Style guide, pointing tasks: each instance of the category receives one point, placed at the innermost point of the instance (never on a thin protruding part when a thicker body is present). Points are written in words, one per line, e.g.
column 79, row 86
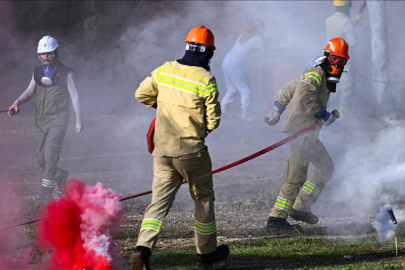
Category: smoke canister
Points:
column 392, row 216
column 348, row 257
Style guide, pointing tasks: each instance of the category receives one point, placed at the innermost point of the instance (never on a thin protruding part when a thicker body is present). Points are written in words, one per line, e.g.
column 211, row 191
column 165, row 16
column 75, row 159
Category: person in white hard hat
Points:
column 53, row 84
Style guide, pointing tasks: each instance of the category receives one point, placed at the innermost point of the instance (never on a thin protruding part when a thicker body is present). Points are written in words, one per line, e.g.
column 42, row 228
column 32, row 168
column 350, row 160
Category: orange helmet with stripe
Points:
column 338, row 46
column 201, row 35
column 337, row 51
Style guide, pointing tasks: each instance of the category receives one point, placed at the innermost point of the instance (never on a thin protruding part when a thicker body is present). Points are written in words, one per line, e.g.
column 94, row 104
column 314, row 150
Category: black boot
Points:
column 306, row 217
column 274, row 223
column 45, row 194
column 61, row 180
column 206, row 260
column 140, row 258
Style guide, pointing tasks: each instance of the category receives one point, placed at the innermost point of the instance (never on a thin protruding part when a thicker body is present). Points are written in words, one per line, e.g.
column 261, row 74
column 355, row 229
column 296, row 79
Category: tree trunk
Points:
column 379, row 52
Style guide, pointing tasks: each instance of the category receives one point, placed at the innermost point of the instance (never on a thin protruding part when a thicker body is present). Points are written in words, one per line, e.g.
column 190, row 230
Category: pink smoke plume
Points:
column 78, row 227
column 14, row 253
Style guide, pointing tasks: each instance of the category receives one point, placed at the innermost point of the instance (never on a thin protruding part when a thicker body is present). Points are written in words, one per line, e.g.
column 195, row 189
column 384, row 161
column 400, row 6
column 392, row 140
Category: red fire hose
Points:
column 261, row 152
column 243, row 160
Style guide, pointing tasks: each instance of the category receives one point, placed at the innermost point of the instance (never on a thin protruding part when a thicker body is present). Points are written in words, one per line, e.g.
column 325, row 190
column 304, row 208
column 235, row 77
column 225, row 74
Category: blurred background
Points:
column 113, row 45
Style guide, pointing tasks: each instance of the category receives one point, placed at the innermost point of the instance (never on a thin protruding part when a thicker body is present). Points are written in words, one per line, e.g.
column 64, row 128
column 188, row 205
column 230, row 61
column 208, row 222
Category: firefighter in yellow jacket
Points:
column 340, row 24
column 308, row 96
column 185, row 96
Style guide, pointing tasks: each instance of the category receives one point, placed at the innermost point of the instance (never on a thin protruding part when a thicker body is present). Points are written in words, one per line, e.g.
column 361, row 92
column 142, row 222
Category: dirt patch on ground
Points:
column 112, row 150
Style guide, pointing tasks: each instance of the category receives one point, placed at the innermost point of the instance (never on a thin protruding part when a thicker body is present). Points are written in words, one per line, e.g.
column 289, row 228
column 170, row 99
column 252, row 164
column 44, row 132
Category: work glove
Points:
column 327, row 117
column 274, row 116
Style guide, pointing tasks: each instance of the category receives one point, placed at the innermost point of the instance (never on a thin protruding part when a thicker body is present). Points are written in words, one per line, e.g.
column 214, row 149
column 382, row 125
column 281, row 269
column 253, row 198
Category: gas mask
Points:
column 50, row 58
column 48, row 75
column 333, row 67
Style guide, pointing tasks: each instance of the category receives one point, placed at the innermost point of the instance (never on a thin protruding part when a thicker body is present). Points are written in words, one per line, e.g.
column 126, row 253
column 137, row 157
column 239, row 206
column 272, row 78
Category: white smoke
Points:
column 383, row 224
column 102, row 211
column 371, row 170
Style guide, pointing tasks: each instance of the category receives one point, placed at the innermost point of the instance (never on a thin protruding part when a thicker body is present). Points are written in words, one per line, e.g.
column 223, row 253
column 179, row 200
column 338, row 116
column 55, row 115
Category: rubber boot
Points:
column 274, row 223
column 45, row 194
column 140, row 258
column 61, row 180
column 307, row 217
column 206, row 260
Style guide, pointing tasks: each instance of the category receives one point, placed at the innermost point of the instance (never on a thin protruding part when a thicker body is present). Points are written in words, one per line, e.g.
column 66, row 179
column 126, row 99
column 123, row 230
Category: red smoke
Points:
column 78, row 227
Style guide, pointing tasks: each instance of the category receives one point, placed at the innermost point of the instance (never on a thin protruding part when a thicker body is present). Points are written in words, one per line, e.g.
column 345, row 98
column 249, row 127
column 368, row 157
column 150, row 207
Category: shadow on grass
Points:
column 181, row 260
column 306, row 261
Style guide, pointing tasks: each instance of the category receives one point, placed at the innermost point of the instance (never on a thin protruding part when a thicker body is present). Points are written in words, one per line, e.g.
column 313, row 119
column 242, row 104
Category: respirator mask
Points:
column 46, row 59
column 47, row 79
column 333, row 68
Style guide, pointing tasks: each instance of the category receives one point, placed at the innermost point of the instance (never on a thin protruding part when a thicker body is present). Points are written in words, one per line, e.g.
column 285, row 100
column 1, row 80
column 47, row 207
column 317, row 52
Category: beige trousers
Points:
column 297, row 192
column 169, row 172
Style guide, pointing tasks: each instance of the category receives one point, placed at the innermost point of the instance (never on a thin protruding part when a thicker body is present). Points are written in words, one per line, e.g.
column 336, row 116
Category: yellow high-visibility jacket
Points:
column 187, row 106
column 340, row 25
column 310, row 96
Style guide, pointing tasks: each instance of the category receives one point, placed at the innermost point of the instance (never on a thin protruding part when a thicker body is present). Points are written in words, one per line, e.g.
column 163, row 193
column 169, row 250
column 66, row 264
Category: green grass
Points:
column 297, row 253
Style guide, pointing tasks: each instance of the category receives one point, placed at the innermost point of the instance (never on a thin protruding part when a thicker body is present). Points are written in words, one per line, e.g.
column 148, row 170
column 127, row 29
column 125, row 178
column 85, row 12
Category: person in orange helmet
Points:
column 185, row 95
column 308, row 95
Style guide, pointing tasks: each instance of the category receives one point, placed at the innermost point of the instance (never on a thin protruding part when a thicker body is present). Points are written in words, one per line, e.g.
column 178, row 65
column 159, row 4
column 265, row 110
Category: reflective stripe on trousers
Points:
column 169, row 173
column 312, row 189
column 205, row 228
column 283, row 204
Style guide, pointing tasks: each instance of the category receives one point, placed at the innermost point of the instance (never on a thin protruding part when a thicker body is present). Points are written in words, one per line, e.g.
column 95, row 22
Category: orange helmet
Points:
column 201, row 35
column 338, row 46
column 338, row 51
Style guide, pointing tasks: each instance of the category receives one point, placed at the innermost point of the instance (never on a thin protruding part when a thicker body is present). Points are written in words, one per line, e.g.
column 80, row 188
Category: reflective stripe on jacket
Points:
column 187, row 98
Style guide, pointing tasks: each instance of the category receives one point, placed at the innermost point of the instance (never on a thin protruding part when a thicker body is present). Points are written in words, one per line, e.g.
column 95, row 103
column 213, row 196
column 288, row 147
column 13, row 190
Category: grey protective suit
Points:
column 51, row 121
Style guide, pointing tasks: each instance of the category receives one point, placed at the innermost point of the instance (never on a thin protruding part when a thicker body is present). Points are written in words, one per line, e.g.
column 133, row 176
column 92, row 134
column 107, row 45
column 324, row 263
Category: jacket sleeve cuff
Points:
column 278, row 107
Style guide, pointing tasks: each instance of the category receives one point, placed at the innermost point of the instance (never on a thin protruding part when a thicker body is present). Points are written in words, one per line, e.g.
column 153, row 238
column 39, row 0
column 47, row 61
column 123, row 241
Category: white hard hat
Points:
column 47, row 44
